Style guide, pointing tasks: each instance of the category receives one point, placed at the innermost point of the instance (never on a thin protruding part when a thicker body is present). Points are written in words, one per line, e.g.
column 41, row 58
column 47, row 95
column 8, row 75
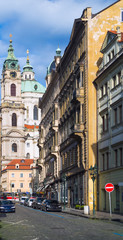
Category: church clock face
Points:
column 13, row 74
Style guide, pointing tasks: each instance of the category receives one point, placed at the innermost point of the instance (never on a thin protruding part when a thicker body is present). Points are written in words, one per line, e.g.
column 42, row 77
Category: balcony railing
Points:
column 78, row 95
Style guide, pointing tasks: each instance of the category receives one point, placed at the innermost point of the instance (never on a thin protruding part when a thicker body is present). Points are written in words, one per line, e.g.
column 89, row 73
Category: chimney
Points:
column 118, row 33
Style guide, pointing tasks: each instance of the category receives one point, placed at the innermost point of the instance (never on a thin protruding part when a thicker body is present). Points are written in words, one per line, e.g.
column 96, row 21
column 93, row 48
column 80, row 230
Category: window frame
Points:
column 21, row 185
column 13, row 90
column 14, row 120
column 14, row 147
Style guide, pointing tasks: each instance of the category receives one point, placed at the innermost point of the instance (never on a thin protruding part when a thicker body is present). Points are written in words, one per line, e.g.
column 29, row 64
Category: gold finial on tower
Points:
column 10, row 37
column 27, row 54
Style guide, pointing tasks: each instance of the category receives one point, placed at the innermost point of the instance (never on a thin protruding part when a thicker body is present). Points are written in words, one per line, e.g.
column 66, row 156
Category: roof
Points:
column 24, row 164
column 51, row 67
column 27, row 67
column 32, row 86
column 31, row 126
column 110, row 37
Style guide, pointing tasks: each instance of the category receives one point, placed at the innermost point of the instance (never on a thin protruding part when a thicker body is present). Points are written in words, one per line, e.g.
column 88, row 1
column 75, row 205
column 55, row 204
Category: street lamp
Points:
column 93, row 173
column 64, row 180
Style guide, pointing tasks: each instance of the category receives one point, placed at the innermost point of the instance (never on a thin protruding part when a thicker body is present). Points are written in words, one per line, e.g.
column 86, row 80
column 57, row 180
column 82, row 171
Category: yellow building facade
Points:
column 77, row 118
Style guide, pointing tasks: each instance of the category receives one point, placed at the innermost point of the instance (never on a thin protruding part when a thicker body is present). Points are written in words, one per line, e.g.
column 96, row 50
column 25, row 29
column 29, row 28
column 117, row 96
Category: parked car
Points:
column 23, row 199
column 51, row 205
column 30, row 201
column 7, row 206
column 37, row 202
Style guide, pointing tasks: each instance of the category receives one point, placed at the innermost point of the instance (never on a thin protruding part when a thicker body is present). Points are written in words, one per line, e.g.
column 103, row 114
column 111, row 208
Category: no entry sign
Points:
column 109, row 187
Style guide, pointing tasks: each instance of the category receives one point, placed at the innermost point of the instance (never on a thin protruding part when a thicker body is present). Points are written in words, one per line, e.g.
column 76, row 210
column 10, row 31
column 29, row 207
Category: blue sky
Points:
column 40, row 26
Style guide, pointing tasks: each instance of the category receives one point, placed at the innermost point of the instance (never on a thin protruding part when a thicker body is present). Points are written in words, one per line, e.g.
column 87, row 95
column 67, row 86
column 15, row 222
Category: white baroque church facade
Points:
column 20, row 94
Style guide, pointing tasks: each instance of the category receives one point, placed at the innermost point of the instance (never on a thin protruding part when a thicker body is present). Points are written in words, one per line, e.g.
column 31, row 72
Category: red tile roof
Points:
column 31, row 126
column 23, row 164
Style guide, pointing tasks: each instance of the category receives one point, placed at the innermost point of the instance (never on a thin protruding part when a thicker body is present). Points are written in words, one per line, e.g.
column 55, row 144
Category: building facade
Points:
column 48, row 141
column 77, row 121
column 109, row 85
column 17, row 175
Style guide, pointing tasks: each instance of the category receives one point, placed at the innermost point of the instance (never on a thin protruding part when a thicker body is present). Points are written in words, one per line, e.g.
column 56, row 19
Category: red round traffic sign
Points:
column 109, row 187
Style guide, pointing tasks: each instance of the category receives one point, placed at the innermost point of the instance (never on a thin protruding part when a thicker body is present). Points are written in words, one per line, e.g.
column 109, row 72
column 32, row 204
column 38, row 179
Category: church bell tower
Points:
column 12, row 110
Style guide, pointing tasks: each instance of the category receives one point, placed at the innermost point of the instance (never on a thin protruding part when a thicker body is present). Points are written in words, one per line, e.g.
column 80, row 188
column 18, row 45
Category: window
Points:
column 30, row 185
column 30, row 175
column 116, row 158
column 21, row 185
column 17, row 166
column 13, row 89
column 112, row 53
column 28, row 155
column 109, row 57
column 103, row 162
column 114, row 81
column 101, row 91
column 29, row 76
column 12, row 185
column 35, row 113
column 14, row 119
column 12, row 175
column 105, row 88
column 21, row 174
column 28, row 144
column 14, row 147
column 119, row 77
column 25, row 76
column 107, row 121
column 103, row 123
column 120, row 114
column 121, row 158
column 107, row 156
column 115, row 116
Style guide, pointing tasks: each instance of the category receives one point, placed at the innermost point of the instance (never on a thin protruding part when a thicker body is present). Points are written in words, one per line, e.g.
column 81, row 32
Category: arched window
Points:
column 14, row 119
column 13, row 89
column 14, row 147
column 28, row 155
column 35, row 113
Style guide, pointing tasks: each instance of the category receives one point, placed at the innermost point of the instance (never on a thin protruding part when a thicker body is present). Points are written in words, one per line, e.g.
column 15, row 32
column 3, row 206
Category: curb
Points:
column 93, row 218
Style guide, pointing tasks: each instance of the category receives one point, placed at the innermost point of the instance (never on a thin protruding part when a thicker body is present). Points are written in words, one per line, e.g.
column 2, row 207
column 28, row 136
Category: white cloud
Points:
column 40, row 25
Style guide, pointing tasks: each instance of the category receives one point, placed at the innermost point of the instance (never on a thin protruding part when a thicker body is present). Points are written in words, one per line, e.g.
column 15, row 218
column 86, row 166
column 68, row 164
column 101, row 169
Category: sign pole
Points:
column 110, row 204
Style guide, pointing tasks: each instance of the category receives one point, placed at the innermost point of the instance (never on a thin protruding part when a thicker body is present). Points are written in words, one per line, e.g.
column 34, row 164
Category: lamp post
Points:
column 64, row 180
column 93, row 174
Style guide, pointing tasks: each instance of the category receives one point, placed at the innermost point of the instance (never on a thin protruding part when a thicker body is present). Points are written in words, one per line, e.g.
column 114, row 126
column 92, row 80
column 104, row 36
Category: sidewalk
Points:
column 98, row 215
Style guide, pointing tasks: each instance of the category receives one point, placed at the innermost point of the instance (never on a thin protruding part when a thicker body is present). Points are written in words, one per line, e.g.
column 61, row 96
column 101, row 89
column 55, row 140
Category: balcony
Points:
column 78, row 95
column 77, row 129
column 55, row 125
column 54, row 150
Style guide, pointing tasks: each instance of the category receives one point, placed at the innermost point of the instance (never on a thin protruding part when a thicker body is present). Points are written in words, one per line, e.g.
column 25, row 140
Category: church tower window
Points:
column 13, row 89
column 14, row 147
column 35, row 112
column 28, row 155
column 14, row 119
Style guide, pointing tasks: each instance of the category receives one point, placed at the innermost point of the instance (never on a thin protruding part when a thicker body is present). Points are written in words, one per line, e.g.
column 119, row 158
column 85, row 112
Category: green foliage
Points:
column 81, row 207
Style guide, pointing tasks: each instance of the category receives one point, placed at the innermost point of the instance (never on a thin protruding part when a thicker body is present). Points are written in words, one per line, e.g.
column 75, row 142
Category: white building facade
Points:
column 110, row 121
column 21, row 116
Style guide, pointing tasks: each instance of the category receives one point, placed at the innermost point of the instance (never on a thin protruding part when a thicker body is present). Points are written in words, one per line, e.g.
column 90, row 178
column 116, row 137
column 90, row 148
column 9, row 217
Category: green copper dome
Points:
column 58, row 52
column 32, row 86
column 27, row 67
column 11, row 61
